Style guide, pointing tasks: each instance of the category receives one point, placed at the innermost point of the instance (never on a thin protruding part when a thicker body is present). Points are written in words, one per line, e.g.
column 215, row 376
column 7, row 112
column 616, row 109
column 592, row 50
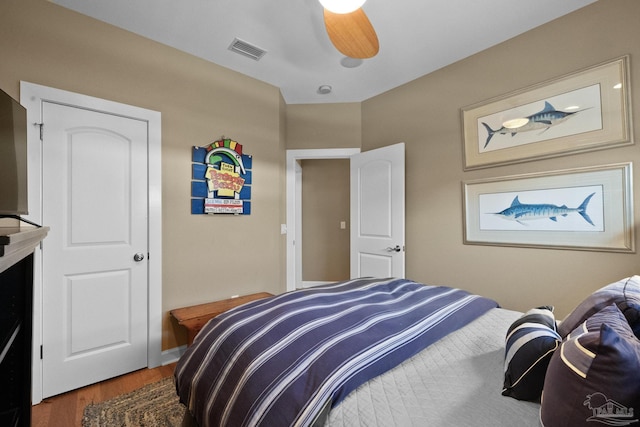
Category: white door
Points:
column 377, row 213
column 94, row 187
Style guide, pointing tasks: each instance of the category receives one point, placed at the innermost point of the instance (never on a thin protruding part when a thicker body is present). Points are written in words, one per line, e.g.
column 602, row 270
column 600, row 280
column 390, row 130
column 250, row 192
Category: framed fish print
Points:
column 582, row 209
column 584, row 111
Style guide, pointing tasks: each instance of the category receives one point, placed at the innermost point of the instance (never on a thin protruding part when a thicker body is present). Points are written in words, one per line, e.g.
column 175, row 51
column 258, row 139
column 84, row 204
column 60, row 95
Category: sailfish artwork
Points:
column 544, row 119
column 520, row 212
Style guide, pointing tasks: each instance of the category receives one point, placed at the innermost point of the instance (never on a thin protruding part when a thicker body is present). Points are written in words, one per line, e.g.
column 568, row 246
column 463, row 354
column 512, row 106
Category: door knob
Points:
column 138, row 257
column 396, row 249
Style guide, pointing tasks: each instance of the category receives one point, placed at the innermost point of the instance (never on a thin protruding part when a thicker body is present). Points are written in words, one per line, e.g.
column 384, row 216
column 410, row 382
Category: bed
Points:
column 365, row 352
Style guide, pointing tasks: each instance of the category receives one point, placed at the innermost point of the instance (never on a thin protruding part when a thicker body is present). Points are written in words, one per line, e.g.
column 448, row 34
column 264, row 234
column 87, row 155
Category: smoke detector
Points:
column 324, row 90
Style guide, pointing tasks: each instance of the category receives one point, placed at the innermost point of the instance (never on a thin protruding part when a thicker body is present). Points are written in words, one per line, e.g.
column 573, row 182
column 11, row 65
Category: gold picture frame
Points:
column 583, row 111
column 587, row 208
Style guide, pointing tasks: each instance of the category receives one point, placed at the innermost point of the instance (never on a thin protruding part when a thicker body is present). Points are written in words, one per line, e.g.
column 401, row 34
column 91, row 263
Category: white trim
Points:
column 31, row 97
column 173, row 354
column 294, row 252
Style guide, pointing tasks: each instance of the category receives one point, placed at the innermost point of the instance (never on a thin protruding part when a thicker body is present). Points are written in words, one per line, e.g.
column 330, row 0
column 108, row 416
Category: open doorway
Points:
column 325, row 221
column 294, row 205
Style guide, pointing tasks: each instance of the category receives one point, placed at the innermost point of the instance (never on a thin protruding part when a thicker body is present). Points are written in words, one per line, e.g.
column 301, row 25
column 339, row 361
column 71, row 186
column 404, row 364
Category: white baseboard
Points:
column 173, row 354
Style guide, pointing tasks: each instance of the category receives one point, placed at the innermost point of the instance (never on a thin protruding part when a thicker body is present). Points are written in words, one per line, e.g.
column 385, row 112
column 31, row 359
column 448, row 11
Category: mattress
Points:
column 455, row 382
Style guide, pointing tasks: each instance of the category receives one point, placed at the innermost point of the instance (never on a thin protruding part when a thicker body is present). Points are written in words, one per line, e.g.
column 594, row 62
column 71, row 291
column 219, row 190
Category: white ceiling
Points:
column 416, row 37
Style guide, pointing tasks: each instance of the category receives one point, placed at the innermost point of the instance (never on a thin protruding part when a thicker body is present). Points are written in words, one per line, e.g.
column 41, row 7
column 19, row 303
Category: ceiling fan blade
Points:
column 352, row 33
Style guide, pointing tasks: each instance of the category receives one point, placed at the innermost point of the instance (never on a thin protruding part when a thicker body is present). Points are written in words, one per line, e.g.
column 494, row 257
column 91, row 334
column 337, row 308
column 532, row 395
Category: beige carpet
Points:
column 155, row 405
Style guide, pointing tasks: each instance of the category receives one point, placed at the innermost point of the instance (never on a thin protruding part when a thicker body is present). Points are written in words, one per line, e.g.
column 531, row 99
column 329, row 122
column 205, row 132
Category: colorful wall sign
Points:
column 221, row 179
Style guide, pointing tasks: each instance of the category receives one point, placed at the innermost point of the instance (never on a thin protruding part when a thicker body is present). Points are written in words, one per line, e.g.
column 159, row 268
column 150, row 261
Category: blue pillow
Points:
column 530, row 342
column 594, row 377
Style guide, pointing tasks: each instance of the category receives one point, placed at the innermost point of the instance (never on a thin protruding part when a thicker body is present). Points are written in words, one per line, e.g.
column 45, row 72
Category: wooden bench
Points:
column 195, row 317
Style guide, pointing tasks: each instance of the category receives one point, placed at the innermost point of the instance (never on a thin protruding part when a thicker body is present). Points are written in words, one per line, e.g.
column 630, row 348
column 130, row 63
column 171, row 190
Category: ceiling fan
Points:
column 349, row 28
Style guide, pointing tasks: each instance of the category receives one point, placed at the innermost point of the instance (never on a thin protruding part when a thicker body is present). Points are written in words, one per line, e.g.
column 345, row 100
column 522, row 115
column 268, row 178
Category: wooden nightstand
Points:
column 195, row 317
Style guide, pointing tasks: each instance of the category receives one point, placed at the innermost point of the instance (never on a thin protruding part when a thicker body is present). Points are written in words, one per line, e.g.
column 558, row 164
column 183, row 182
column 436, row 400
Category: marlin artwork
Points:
column 524, row 212
column 544, row 119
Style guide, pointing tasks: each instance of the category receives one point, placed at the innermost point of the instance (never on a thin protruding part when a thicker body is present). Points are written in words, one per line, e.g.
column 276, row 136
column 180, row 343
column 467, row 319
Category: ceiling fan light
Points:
column 342, row 6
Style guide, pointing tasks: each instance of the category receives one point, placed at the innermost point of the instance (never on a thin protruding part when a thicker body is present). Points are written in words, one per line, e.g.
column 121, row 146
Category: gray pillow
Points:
column 625, row 294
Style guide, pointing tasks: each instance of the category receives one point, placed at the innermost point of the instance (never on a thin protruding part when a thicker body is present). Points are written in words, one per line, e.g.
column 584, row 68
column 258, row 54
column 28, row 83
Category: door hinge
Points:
column 41, row 125
column 41, row 353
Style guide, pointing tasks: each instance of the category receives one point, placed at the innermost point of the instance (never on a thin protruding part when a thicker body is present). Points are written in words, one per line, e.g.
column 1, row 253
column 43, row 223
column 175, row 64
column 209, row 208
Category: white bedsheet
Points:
column 455, row 382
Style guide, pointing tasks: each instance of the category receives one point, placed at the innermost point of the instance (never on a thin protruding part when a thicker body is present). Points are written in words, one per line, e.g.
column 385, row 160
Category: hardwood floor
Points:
column 65, row 410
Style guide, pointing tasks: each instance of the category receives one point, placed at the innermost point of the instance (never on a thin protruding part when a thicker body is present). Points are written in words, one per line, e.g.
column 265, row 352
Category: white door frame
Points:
column 31, row 97
column 294, row 217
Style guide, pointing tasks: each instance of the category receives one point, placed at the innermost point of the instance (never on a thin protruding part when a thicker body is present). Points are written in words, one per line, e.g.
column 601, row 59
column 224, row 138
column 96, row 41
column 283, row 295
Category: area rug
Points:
column 154, row 405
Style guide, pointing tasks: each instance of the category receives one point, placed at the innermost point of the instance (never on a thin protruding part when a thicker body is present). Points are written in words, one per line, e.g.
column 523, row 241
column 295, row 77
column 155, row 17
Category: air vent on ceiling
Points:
column 246, row 49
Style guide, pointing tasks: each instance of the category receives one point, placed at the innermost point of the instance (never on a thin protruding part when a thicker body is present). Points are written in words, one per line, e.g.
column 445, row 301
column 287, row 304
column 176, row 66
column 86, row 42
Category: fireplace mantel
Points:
column 18, row 242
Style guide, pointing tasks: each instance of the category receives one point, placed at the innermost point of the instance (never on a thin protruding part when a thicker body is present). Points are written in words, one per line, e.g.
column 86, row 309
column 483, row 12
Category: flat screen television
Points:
column 13, row 157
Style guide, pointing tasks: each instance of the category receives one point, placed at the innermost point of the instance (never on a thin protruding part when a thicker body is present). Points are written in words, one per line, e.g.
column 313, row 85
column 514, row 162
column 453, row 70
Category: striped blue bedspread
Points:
column 284, row 360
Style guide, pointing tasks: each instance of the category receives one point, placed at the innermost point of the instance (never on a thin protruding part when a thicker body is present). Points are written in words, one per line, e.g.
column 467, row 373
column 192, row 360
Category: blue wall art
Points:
column 588, row 208
column 221, row 179
column 582, row 111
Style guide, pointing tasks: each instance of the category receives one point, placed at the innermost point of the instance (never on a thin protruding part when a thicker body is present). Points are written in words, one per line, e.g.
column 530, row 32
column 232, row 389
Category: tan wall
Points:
column 323, row 126
column 325, row 203
column 46, row 44
column 425, row 114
